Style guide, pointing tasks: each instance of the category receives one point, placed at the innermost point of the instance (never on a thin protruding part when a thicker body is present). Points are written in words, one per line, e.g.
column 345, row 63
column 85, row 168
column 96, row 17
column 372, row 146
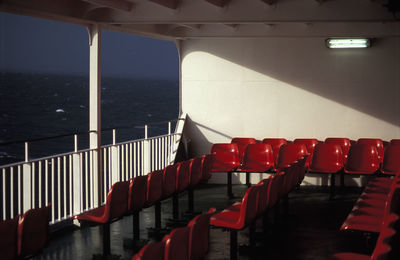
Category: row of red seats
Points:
column 24, row 236
column 185, row 243
column 130, row 197
column 257, row 201
column 377, row 211
column 328, row 157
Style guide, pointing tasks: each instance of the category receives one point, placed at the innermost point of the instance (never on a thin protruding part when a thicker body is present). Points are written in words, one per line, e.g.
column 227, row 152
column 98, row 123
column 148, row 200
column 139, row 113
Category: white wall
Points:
column 289, row 87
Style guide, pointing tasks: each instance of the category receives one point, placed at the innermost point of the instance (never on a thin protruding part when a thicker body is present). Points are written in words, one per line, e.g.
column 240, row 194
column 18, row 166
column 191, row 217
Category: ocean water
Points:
column 39, row 105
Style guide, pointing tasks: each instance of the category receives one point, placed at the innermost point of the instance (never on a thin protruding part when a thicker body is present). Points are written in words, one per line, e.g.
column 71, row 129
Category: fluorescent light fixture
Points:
column 340, row 43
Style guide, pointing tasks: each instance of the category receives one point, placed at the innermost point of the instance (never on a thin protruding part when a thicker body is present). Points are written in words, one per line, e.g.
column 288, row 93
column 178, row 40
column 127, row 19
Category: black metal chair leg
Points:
column 229, row 185
column 233, row 244
column 136, row 226
column 332, row 190
column 157, row 210
column 248, row 179
column 175, row 206
column 106, row 239
column 191, row 200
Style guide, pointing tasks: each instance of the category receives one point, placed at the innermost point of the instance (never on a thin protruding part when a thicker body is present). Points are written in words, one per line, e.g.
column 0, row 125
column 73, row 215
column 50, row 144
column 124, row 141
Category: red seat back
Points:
column 33, row 231
column 343, row 142
column 195, row 171
column 395, row 141
column 199, row 235
column 258, row 158
column 248, row 209
column 177, row 244
column 385, row 241
column 242, row 143
column 182, row 179
column 226, row 157
column 274, row 188
column 117, row 200
column 378, row 143
column 154, row 187
column 327, row 158
column 8, row 238
column 276, row 144
column 207, row 166
column 169, row 179
column 290, row 153
column 363, row 159
column 310, row 143
column 152, row 251
column 262, row 196
column 137, row 193
column 391, row 160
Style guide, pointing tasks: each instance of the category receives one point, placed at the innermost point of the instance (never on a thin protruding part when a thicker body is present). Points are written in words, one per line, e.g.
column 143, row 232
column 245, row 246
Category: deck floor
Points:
column 310, row 230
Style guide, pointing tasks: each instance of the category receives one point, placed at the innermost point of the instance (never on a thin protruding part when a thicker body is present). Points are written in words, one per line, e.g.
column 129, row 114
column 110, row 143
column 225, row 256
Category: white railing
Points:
column 70, row 182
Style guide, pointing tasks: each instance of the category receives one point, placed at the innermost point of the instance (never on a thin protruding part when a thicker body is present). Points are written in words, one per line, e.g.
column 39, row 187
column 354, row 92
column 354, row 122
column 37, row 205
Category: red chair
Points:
column 290, row 153
column 343, row 142
column 327, row 159
column 310, row 144
column 363, row 159
column 395, row 141
column 152, row 251
column 383, row 246
column 33, row 231
column 154, row 194
column 206, row 168
column 136, row 201
column 8, row 238
column 276, row 144
column 194, row 179
column 378, row 143
column 391, row 160
column 199, row 235
column 177, row 244
column 182, row 183
column 257, row 158
column 238, row 220
column 226, row 159
column 242, row 143
column 116, row 207
column 169, row 180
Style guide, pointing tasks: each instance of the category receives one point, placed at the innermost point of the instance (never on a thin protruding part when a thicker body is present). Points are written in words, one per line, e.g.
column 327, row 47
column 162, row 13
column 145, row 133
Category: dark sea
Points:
column 39, row 105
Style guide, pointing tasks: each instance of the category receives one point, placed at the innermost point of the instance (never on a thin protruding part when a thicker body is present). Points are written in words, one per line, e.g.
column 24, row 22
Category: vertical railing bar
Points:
column 33, row 186
column 40, row 188
column 59, row 186
column 46, row 181
column 4, row 194
column 87, row 180
column 11, row 191
column 130, row 160
column 81, row 167
column 52, row 190
column 19, row 181
column 65, row 185
column 110, row 162
column 104, row 151
column 126, row 162
column 134, row 161
column 92, row 177
column 71, row 191
column 142, row 158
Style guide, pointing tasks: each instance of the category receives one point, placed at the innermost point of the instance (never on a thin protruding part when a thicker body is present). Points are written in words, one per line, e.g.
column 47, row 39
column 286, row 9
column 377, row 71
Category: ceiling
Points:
column 187, row 19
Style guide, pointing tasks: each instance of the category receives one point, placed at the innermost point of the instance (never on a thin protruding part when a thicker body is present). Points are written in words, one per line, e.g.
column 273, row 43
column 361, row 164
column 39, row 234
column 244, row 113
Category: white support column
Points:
column 95, row 108
column 77, row 179
column 115, row 160
column 147, row 152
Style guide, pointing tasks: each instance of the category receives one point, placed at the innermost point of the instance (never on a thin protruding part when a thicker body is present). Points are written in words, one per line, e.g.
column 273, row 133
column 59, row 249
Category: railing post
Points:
column 114, row 160
column 147, row 152
column 77, row 179
column 27, row 181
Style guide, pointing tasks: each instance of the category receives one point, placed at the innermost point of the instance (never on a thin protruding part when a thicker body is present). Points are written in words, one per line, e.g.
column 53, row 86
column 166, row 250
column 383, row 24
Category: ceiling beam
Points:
column 114, row 4
column 219, row 3
column 171, row 4
column 191, row 26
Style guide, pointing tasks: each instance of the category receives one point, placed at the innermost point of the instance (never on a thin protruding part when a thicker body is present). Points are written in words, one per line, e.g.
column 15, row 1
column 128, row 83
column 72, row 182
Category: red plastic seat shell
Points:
column 169, row 179
column 276, row 144
column 391, row 160
column 152, row 251
column 344, row 144
column 8, row 238
column 195, row 171
column 242, row 143
column 183, row 175
column 177, row 244
column 154, row 187
column 363, row 159
column 33, row 231
column 327, row 158
column 226, row 157
column 206, row 168
column 199, row 235
column 257, row 158
column 378, row 143
column 137, row 193
column 290, row 153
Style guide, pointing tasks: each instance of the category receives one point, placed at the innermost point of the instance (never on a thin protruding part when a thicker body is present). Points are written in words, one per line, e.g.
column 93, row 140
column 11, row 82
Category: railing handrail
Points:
column 86, row 132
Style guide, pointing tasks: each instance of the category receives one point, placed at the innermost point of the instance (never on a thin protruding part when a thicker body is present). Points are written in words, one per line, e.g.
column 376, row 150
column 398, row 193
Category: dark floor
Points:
column 310, row 230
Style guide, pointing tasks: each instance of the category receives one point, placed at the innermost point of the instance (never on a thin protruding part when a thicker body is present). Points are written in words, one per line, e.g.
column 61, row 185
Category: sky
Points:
column 36, row 45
